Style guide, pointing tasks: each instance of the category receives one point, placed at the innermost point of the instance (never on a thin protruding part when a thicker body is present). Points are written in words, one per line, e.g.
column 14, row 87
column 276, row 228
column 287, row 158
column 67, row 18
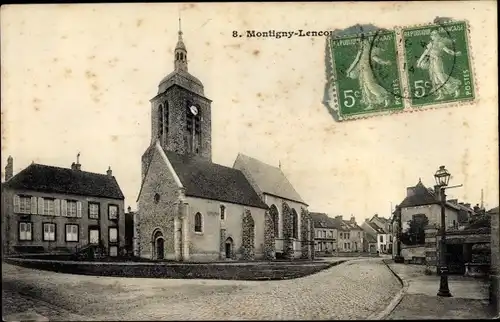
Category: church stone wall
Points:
column 208, row 245
column 179, row 100
column 279, row 203
column 159, row 214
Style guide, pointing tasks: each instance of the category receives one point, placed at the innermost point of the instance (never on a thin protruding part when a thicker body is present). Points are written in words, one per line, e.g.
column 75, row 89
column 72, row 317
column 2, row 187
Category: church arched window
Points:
column 166, row 116
column 295, row 224
column 198, row 223
column 193, row 129
column 160, row 120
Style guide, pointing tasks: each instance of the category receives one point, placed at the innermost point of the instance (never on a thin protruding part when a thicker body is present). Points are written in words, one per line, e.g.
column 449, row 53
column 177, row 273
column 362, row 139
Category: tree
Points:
column 415, row 234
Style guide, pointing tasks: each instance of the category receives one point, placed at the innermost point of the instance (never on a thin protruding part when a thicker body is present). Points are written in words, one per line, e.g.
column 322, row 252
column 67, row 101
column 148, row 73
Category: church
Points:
column 191, row 209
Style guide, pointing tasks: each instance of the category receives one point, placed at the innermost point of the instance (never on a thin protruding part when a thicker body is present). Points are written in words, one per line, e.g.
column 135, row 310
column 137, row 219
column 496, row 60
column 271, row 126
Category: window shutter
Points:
column 17, row 204
column 28, row 231
column 57, row 207
column 33, row 205
column 64, row 208
column 79, row 209
column 40, row 206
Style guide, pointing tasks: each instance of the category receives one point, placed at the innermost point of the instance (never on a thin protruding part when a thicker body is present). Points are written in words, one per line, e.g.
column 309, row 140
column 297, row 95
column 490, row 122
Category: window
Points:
column 381, row 238
column 295, row 226
column 71, row 205
column 48, row 207
column 193, row 128
column 93, row 210
column 113, row 212
column 71, row 233
column 166, row 116
column 222, row 213
column 113, row 251
column 157, row 197
column 198, row 223
column 25, row 205
column 94, row 236
column 359, row 234
column 390, row 238
column 49, row 232
column 160, row 120
column 25, row 230
column 113, row 234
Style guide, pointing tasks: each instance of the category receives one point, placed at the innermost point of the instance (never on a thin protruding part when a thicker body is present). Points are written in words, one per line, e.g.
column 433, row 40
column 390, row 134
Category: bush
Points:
column 428, row 271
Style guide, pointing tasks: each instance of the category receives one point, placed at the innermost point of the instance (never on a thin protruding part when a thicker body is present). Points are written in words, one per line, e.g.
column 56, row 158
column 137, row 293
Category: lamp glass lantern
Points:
column 442, row 176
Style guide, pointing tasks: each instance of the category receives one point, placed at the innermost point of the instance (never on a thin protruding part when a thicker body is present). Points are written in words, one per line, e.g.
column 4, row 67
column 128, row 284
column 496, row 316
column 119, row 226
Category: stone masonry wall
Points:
column 288, row 250
column 269, row 238
column 157, row 214
column 247, row 245
column 178, row 100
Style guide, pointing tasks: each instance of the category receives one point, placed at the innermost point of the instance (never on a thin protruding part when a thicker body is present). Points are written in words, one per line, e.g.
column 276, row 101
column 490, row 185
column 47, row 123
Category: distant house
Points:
column 52, row 209
column 382, row 237
column 424, row 203
column 350, row 235
column 369, row 243
column 325, row 233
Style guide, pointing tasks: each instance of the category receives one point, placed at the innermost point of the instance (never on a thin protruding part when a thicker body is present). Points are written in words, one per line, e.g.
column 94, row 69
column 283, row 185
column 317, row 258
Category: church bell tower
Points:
column 180, row 112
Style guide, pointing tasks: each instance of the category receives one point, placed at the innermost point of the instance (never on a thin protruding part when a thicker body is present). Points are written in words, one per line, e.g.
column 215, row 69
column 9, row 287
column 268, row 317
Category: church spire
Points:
column 180, row 53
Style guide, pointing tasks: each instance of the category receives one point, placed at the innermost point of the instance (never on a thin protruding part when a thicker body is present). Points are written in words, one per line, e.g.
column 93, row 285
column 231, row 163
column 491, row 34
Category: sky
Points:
column 79, row 77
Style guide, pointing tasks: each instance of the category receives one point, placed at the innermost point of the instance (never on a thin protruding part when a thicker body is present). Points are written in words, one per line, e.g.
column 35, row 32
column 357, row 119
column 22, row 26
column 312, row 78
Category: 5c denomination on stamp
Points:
column 437, row 64
column 366, row 74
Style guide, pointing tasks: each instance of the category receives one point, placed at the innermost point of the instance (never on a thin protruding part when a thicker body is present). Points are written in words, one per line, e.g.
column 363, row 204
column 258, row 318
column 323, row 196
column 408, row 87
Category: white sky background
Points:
column 78, row 78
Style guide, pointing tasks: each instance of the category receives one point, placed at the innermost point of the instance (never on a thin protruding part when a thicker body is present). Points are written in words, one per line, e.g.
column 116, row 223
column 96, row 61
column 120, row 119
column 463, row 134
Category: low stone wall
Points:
column 414, row 254
column 224, row 271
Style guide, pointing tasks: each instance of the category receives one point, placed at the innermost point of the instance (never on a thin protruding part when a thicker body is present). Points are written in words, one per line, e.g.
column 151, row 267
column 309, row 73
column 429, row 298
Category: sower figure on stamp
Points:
column 372, row 93
column 431, row 59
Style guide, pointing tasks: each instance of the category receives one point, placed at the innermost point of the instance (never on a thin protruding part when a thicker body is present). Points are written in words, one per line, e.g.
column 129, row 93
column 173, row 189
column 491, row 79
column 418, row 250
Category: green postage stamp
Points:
column 366, row 73
column 437, row 64
column 388, row 71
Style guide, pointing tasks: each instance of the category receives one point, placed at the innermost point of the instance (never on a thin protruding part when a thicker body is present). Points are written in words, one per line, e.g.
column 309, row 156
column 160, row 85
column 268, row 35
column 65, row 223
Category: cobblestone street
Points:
column 353, row 290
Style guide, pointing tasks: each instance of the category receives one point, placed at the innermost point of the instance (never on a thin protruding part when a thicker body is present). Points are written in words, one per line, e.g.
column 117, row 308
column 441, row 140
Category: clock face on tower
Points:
column 194, row 110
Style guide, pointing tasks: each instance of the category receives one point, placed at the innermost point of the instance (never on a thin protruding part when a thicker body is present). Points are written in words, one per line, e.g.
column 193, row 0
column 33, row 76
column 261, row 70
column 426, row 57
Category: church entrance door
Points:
column 159, row 248
column 229, row 247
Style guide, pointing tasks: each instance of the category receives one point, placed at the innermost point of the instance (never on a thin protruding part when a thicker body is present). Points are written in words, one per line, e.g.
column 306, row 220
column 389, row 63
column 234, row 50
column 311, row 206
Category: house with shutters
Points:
column 47, row 209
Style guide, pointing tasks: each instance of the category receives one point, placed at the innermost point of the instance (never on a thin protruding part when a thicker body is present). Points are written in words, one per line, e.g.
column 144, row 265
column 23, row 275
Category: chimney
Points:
column 9, row 168
column 353, row 220
column 367, row 219
column 73, row 166
column 467, row 205
column 410, row 191
column 110, row 173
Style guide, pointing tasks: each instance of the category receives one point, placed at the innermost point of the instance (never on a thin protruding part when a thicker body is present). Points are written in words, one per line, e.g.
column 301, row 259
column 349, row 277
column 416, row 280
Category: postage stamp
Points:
column 365, row 74
column 437, row 64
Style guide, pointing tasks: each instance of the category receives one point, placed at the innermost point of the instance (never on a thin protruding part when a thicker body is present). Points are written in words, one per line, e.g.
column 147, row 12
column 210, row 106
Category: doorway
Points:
column 159, row 248
column 158, row 245
column 229, row 247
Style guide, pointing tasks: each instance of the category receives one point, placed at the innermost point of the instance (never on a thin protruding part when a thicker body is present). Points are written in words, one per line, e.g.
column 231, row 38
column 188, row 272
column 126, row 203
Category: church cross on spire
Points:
column 180, row 54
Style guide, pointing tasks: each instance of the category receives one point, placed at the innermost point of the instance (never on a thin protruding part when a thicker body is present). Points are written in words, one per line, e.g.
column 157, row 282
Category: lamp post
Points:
column 397, row 216
column 442, row 177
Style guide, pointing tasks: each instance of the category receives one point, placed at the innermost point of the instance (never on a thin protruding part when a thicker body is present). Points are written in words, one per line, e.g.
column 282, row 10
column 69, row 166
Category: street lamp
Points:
column 442, row 177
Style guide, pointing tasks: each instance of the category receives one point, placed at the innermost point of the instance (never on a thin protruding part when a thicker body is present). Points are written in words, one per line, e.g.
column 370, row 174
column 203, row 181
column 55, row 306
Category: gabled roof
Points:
column 50, row 179
column 269, row 179
column 423, row 196
column 350, row 225
column 377, row 228
column 204, row 179
column 321, row 220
